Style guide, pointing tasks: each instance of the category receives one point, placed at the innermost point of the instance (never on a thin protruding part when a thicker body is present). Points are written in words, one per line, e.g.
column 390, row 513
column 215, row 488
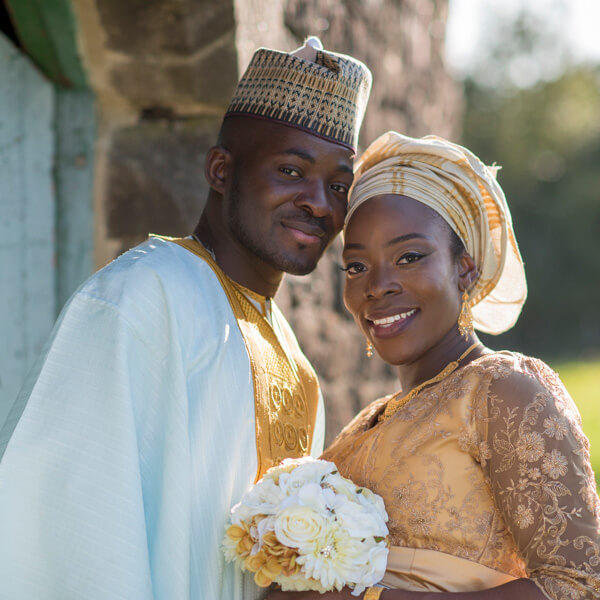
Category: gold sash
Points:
column 421, row 570
column 286, row 390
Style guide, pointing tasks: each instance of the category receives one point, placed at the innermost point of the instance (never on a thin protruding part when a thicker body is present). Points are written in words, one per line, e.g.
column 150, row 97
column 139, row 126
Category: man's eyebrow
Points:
column 301, row 154
column 396, row 240
column 345, row 169
column 304, row 155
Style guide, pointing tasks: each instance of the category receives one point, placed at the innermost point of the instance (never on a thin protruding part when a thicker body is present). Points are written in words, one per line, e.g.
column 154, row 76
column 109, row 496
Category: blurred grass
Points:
column 582, row 379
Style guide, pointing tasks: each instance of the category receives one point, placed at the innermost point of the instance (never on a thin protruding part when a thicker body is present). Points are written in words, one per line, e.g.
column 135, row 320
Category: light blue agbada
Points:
column 136, row 437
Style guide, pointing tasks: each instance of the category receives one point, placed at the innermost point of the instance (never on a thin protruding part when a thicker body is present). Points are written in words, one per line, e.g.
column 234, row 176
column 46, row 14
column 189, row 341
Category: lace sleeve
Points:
column 536, row 459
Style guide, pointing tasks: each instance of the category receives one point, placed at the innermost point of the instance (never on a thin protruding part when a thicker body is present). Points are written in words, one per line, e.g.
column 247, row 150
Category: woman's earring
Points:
column 465, row 318
column 369, row 349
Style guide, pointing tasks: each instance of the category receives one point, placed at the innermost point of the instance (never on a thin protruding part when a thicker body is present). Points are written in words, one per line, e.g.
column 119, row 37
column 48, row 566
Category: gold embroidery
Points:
column 490, row 465
column 285, row 387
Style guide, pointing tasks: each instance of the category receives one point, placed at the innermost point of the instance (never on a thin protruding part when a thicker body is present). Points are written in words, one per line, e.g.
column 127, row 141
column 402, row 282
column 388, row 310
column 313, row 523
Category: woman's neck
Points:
column 435, row 359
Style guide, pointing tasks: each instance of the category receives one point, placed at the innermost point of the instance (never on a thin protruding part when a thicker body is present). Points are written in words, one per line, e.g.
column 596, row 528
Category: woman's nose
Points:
column 382, row 280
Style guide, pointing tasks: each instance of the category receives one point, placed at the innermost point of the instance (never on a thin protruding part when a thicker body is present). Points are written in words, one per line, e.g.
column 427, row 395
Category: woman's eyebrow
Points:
column 404, row 238
column 396, row 240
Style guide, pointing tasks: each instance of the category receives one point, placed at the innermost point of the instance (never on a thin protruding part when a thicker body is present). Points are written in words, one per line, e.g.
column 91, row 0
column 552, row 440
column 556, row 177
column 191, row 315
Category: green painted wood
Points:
column 27, row 272
column 74, row 171
column 46, row 30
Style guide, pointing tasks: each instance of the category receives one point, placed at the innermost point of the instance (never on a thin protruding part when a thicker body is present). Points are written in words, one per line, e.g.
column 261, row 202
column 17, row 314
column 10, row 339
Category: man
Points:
column 171, row 381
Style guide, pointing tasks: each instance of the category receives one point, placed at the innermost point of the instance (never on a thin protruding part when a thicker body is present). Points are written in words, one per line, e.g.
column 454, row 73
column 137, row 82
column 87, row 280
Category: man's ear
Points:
column 217, row 167
column 467, row 271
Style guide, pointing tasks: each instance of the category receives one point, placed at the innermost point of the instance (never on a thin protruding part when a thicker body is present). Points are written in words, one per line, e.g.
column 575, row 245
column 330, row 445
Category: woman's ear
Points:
column 467, row 271
column 217, row 167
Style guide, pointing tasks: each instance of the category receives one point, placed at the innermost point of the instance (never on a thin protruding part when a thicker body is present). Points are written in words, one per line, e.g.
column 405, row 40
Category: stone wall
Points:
column 163, row 72
column 402, row 42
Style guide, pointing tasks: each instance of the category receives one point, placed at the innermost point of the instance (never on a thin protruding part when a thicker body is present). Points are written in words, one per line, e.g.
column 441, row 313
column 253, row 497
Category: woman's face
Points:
column 402, row 281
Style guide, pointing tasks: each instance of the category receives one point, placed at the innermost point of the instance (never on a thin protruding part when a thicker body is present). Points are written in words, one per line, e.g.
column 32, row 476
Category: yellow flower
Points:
column 262, row 580
column 236, row 532
column 256, row 562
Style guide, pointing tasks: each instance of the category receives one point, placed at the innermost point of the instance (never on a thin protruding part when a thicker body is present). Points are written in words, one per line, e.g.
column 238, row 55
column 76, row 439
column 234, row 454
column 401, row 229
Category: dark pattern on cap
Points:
column 327, row 97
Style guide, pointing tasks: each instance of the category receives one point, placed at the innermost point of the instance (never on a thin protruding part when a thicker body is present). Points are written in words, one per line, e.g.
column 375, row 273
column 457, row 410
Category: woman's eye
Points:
column 354, row 268
column 410, row 257
column 290, row 171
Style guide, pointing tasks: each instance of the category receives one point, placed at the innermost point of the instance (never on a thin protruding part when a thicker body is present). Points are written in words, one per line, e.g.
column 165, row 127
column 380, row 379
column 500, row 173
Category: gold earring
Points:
column 465, row 318
column 369, row 349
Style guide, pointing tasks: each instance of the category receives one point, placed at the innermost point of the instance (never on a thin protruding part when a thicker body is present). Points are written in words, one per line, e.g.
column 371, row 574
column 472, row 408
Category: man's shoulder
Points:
column 154, row 264
column 156, row 272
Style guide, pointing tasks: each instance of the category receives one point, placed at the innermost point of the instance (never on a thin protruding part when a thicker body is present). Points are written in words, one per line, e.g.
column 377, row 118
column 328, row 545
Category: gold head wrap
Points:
column 458, row 186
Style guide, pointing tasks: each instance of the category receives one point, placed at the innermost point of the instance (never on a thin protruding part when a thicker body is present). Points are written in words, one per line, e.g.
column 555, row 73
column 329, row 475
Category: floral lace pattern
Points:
column 490, row 465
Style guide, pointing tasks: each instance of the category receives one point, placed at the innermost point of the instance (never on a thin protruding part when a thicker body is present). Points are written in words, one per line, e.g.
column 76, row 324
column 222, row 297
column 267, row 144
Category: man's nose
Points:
column 315, row 199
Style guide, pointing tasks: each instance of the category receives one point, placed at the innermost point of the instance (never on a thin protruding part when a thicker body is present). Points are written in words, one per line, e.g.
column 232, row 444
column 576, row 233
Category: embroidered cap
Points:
column 321, row 92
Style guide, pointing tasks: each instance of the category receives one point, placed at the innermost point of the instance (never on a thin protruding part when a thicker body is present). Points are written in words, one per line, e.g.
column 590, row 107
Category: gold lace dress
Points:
column 486, row 477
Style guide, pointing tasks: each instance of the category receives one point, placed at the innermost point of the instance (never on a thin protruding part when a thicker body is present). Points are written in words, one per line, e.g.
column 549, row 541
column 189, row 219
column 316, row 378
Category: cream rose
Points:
column 298, row 526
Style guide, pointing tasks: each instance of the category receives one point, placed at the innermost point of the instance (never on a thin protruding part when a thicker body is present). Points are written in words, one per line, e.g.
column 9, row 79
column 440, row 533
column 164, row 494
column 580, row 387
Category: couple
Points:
column 171, row 381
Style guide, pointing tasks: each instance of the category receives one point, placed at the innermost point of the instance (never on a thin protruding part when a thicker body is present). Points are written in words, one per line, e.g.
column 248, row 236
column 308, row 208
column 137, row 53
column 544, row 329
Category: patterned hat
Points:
column 321, row 92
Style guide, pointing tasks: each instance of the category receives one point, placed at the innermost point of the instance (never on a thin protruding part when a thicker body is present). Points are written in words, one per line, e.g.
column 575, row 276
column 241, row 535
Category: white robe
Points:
column 137, row 435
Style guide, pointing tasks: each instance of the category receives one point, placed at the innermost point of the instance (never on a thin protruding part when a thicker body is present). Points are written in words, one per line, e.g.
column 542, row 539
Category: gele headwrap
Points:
column 312, row 89
column 457, row 185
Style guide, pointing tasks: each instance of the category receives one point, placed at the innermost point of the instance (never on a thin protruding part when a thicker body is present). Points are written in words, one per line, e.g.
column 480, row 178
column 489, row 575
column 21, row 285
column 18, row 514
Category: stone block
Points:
column 208, row 78
column 154, row 28
column 156, row 176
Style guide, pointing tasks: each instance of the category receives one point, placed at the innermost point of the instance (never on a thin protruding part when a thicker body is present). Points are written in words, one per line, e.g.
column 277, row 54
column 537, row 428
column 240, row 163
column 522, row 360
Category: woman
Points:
column 480, row 457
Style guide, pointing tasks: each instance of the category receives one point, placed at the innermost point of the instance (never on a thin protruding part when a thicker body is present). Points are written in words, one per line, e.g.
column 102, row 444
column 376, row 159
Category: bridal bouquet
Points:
column 305, row 527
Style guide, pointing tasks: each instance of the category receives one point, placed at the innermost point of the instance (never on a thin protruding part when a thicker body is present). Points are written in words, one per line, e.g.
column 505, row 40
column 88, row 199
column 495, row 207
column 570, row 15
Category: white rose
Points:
column 285, row 466
column 377, row 563
column 373, row 502
column 263, row 498
column 298, row 526
column 308, row 470
column 341, row 485
column 358, row 521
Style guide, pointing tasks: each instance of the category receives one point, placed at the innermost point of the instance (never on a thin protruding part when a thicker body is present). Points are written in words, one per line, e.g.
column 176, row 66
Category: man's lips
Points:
column 391, row 322
column 304, row 232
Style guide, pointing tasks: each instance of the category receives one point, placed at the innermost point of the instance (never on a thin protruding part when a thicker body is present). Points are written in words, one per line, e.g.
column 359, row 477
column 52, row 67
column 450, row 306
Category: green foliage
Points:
column 547, row 138
column 582, row 380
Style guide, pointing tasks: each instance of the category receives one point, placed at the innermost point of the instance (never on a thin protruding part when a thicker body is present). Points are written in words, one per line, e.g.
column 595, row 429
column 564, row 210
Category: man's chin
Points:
column 297, row 265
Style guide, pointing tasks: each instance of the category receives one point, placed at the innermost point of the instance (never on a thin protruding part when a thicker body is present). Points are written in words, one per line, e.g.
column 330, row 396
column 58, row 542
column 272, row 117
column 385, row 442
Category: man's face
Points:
column 287, row 195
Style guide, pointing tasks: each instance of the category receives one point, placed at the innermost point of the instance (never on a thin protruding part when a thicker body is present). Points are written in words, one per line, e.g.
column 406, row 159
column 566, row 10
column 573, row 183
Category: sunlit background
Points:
column 532, row 89
column 108, row 108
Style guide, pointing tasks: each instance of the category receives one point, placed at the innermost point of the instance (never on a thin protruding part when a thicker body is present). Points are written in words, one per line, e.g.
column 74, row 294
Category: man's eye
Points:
column 340, row 188
column 290, row 171
column 410, row 257
column 354, row 268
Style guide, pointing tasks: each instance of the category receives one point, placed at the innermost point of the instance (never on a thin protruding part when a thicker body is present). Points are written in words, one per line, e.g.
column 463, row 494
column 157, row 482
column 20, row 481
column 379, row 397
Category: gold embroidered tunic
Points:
column 286, row 390
column 486, row 477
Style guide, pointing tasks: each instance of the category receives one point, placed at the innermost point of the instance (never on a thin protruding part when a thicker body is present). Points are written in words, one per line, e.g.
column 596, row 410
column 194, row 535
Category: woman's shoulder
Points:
column 514, row 384
column 516, row 371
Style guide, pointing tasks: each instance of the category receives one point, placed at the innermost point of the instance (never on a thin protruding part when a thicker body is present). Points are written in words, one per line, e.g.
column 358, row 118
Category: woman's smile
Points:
column 402, row 281
column 392, row 325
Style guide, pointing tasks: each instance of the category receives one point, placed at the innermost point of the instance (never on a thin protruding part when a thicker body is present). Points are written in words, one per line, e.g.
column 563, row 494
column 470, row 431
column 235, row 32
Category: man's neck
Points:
column 235, row 260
